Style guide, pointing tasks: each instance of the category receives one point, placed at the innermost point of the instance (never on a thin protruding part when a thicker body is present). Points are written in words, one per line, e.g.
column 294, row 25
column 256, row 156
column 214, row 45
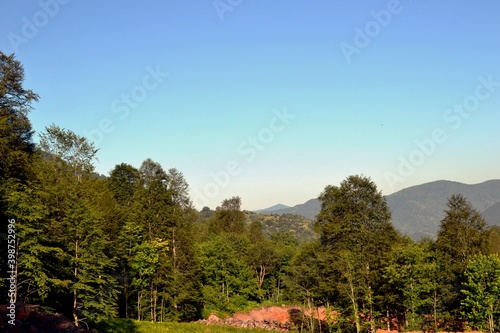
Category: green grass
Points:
column 134, row 326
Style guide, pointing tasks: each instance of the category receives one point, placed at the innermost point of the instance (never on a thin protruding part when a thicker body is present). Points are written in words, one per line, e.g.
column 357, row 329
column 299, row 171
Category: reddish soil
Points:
column 281, row 319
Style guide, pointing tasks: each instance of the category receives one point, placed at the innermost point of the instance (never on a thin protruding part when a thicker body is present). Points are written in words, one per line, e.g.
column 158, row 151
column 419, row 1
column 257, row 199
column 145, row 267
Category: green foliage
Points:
column 16, row 146
column 300, row 227
column 461, row 234
column 123, row 181
column 356, row 233
column 133, row 246
column 228, row 218
column 481, row 303
column 354, row 215
column 493, row 239
column 226, row 276
column 69, row 150
column 410, row 273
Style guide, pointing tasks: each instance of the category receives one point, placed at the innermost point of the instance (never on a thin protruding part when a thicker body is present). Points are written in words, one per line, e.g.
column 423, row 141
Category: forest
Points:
column 131, row 245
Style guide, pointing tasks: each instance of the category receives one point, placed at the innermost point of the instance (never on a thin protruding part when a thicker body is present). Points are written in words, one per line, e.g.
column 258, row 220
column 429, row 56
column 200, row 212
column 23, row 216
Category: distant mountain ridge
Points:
column 417, row 211
column 309, row 209
column 272, row 209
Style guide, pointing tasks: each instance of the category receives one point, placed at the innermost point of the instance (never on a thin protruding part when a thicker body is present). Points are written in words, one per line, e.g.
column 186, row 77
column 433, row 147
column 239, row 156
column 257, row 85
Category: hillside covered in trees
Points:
column 133, row 246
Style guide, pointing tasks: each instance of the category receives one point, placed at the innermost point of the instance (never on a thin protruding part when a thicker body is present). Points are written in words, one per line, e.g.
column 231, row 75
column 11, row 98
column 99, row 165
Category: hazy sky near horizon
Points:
column 270, row 100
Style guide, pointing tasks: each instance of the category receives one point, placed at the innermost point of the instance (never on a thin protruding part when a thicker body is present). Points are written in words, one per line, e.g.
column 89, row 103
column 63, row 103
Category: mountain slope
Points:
column 272, row 209
column 417, row 211
column 308, row 209
column 492, row 214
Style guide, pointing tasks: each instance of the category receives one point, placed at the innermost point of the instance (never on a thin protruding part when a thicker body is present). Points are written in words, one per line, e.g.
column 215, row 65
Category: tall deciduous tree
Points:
column 123, row 181
column 355, row 219
column 410, row 272
column 481, row 304
column 79, row 226
column 228, row 217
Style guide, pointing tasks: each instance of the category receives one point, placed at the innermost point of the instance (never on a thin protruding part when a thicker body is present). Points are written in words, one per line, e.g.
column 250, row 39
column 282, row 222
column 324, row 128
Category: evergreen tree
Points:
column 461, row 236
column 16, row 145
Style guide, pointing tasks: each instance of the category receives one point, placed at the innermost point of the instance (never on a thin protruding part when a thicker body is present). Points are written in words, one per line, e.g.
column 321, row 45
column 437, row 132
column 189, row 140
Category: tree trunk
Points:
column 155, row 303
column 388, row 319
column 161, row 308
column 75, row 273
column 139, row 299
column 151, row 307
column 435, row 310
column 491, row 322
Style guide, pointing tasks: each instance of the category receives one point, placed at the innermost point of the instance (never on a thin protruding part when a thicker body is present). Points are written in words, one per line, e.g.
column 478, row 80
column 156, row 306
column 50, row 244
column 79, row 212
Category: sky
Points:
column 269, row 100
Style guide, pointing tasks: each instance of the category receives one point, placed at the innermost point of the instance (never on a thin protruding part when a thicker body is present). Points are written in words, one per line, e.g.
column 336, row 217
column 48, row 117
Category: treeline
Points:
column 133, row 246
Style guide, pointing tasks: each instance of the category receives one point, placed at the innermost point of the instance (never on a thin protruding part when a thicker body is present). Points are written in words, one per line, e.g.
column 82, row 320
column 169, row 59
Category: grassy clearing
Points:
column 133, row 326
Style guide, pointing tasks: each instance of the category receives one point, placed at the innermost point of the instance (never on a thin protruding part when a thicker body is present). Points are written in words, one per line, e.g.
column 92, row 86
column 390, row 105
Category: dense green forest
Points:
column 132, row 245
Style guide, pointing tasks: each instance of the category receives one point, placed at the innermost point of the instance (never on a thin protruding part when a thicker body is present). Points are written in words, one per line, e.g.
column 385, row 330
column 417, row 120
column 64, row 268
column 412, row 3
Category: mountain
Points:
column 309, row 209
column 272, row 209
column 417, row 211
column 492, row 214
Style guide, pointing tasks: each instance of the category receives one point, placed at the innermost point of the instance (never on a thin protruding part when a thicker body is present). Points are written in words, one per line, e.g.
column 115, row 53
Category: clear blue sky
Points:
column 405, row 92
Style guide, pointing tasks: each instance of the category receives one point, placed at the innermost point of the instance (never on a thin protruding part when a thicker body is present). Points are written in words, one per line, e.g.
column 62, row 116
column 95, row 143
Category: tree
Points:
column 123, row 181
column 286, row 246
column 481, row 304
column 161, row 212
column 493, row 238
column 39, row 257
column 16, row 145
column 228, row 217
column 461, row 236
column 79, row 226
column 410, row 273
column 17, row 149
column 262, row 259
column 228, row 281
column 74, row 151
column 355, row 220
column 461, row 233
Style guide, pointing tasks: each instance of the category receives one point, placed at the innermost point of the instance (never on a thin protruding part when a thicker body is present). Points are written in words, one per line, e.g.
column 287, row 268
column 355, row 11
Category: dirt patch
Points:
column 29, row 319
column 281, row 319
